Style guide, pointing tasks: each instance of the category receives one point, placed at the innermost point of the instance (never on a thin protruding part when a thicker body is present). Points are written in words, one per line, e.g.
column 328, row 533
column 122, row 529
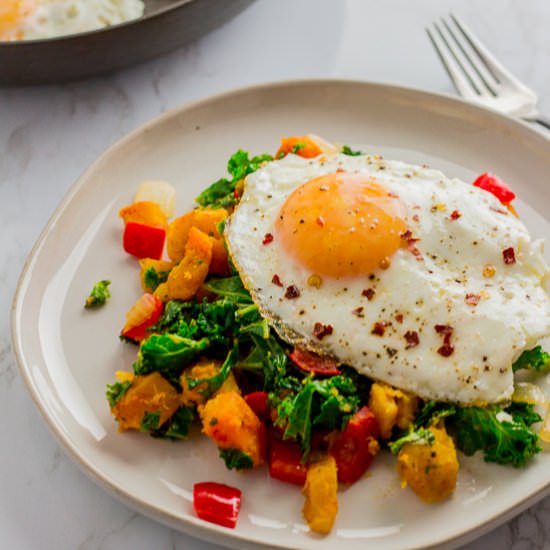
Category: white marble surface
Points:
column 49, row 135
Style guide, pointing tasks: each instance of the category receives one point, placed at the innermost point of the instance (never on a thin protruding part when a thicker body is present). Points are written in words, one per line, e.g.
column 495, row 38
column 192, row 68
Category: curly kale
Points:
column 327, row 403
column 99, row 295
column 535, row 359
column 221, row 194
column 504, row 435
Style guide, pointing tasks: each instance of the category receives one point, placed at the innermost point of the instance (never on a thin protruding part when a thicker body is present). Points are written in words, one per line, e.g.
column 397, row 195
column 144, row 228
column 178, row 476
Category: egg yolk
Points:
column 341, row 225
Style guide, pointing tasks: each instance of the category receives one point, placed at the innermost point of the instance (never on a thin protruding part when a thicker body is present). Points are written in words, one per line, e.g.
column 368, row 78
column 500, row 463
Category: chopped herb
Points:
column 297, row 148
column 99, row 295
column 347, row 150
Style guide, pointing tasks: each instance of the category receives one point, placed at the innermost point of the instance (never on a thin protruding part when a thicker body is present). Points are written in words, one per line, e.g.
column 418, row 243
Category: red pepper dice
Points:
column 217, row 503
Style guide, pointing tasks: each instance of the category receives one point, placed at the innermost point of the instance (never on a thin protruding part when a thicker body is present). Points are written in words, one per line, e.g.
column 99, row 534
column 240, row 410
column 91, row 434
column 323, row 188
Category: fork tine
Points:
column 478, row 65
column 462, row 85
column 499, row 71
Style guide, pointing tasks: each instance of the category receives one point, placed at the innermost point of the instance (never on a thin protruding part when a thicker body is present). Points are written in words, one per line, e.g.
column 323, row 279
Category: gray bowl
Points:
column 165, row 25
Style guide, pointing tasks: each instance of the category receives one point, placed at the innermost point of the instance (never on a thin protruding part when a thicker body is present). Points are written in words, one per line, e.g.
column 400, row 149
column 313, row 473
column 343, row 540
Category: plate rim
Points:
column 197, row 528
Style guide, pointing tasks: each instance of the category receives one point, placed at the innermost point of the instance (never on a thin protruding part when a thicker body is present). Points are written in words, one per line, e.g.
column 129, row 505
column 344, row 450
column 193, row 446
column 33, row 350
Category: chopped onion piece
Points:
column 160, row 192
column 526, row 392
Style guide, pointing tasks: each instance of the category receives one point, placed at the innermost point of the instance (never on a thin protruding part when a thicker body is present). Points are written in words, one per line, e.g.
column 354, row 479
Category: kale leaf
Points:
column 99, row 295
column 178, row 426
column 150, row 421
column 231, row 288
column 420, row 436
column 505, row 441
column 214, row 383
column 153, row 278
column 535, row 359
column 328, row 403
column 115, row 392
column 167, row 354
column 221, row 194
column 235, row 459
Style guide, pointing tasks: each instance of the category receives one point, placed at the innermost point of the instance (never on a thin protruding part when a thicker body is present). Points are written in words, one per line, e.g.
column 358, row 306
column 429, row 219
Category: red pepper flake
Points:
column 339, row 170
column 498, row 210
column 412, row 339
column 379, row 328
column 472, row 299
column 399, row 318
column 320, row 221
column 393, row 195
column 455, row 214
column 446, row 330
column 368, row 293
column 447, row 348
column 416, row 218
column 268, row 237
column 509, row 256
column 320, row 330
column 276, row 280
column 291, row 292
column 411, row 241
column 358, row 311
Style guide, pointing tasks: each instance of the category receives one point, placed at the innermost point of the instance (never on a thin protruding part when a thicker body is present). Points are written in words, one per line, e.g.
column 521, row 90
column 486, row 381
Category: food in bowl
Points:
column 321, row 306
column 41, row 19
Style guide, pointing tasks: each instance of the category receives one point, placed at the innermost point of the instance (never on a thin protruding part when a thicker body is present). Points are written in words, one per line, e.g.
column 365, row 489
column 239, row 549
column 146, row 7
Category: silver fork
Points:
column 478, row 76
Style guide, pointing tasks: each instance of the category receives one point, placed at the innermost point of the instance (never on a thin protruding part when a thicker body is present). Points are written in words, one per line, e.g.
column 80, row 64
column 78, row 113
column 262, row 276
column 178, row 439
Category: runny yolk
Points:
column 341, row 225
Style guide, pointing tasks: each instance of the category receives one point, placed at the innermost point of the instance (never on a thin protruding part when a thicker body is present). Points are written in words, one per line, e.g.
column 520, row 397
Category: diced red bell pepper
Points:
column 353, row 448
column 142, row 315
column 285, row 462
column 144, row 241
column 311, row 362
column 493, row 184
column 257, row 401
column 217, row 503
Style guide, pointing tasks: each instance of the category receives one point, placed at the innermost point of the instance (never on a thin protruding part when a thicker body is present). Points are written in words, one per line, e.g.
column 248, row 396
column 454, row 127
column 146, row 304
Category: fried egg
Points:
column 38, row 19
column 414, row 279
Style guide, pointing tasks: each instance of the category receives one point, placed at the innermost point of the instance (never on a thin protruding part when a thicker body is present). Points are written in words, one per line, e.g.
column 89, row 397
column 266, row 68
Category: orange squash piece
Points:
column 232, row 424
column 147, row 394
column 144, row 212
column 206, row 220
column 320, row 490
column 186, row 278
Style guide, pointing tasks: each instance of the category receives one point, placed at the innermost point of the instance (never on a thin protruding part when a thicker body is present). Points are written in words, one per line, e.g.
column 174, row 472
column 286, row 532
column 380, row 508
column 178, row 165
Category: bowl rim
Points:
column 175, row 5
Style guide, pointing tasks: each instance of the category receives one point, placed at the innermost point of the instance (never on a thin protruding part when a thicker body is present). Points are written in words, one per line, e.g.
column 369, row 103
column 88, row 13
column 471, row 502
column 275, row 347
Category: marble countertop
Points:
column 49, row 135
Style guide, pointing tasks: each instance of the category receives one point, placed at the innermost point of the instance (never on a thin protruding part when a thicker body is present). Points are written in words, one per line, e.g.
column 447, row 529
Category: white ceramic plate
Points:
column 67, row 354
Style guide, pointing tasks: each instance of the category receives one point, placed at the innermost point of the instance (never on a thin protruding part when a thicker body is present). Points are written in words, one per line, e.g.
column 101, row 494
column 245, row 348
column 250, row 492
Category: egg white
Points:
column 411, row 295
column 50, row 18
